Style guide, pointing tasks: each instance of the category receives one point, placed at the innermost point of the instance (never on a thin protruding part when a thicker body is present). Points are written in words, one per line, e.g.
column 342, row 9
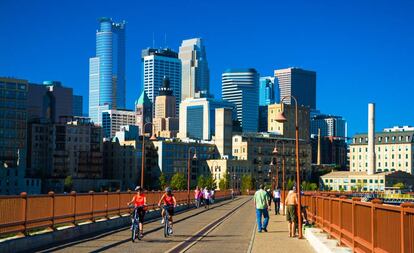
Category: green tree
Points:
column 163, row 181
column 223, row 184
column 211, row 182
column 400, row 185
column 68, row 184
column 313, row 187
column 360, row 186
column 247, row 183
column 178, row 181
column 290, row 184
column 201, row 181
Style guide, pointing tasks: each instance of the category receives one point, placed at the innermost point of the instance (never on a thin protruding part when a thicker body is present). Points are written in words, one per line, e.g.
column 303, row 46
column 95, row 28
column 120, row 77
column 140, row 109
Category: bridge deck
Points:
column 227, row 227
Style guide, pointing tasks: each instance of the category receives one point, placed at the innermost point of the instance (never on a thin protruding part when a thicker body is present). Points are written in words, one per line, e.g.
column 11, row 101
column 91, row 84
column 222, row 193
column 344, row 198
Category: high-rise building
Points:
column 13, row 118
column 268, row 91
column 241, row 87
column 224, row 131
column 77, row 106
column 165, row 121
column 143, row 113
column 197, row 119
column 112, row 120
column 156, row 64
column 298, row 83
column 287, row 129
column 107, row 70
column 195, row 72
column 50, row 101
column 330, row 126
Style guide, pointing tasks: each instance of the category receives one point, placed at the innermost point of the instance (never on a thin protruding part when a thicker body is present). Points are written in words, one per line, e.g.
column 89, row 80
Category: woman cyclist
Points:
column 140, row 203
column 170, row 202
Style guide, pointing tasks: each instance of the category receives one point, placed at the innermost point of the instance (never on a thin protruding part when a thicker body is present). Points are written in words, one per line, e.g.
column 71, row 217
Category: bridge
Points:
column 98, row 222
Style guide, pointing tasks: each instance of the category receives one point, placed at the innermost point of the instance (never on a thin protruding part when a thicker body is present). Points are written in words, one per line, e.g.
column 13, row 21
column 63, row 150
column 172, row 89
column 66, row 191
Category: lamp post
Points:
column 280, row 117
column 152, row 138
column 275, row 151
column 188, row 171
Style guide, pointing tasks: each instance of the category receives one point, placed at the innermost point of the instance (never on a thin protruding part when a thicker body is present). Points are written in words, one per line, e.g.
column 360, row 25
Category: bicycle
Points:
column 136, row 233
column 167, row 226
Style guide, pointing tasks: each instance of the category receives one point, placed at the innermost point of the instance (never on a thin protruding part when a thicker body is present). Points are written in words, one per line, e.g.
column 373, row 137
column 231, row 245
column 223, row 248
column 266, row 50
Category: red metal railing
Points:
column 20, row 214
column 363, row 226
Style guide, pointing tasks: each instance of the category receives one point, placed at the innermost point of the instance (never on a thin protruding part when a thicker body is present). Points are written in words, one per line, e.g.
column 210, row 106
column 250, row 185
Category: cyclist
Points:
column 140, row 203
column 170, row 202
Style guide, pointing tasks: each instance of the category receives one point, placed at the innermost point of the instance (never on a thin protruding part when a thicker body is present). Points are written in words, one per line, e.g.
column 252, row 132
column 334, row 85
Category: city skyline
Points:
column 368, row 55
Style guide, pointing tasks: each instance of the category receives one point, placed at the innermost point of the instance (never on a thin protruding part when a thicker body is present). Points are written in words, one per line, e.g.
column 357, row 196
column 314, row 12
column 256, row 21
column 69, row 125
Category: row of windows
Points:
column 386, row 138
column 353, row 181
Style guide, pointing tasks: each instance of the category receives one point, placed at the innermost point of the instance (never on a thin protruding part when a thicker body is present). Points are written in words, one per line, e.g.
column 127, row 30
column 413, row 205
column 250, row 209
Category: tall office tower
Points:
column 113, row 120
column 165, row 120
column 197, row 119
column 143, row 113
column 268, row 91
column 195, row 74
column 298, row 83
column 156, row 64
column 107, row 70
column 77, row 105
column 49, row 100
column 241, row 87
column 330, row 125
column 13, row 117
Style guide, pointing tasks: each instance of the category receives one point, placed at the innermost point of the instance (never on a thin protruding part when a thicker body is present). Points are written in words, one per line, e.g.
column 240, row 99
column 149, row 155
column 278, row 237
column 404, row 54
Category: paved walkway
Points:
column 277, row 239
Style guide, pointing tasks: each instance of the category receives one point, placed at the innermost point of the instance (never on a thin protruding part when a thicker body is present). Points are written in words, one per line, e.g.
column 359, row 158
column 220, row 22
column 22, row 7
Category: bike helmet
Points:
column 138, row 188
column 168, row 190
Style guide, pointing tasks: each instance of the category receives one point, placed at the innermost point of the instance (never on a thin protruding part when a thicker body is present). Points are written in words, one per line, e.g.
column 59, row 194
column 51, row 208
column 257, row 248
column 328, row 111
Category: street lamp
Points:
column 188, row 171
column 152, row 138
column 280, row 117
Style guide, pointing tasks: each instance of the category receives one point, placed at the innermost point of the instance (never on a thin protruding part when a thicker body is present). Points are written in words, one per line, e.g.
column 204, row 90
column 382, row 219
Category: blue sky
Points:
column 362, row 51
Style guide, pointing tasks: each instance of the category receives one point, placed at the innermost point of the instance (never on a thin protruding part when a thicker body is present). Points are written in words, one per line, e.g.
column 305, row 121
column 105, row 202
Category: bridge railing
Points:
column 20, row 214
column 363, row 226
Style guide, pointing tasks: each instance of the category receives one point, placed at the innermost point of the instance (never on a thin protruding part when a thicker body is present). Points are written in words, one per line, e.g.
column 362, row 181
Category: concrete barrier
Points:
column 88, row 230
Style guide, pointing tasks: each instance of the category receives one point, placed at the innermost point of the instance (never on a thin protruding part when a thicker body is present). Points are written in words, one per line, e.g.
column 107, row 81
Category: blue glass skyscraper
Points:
column 268, row 91
column 107, row 70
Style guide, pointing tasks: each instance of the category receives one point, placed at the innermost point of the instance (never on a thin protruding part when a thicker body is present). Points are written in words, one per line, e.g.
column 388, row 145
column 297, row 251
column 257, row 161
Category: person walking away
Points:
column 276, row 199
column 291, row 203
column 212, row 196
column 261, row 201
column 197, row 197
column 206, row 196
column 269, row 194
column 232, row 194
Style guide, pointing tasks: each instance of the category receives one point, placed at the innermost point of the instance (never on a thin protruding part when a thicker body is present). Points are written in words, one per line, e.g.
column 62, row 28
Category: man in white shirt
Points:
column 276, row 199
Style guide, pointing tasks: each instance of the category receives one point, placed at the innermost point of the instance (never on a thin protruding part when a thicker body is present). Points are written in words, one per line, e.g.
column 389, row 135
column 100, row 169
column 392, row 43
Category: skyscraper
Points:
column 77, row 105
column 195, row 74
column 156, row 64
column 241, row 87
column 298, row 83
column 268, row 91
column 330, row 125
column 107, row 70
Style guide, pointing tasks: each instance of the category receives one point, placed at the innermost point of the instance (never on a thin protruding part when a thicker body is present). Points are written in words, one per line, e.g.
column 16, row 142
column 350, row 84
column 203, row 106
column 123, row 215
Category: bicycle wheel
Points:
column 166, row 226
column 134, row 232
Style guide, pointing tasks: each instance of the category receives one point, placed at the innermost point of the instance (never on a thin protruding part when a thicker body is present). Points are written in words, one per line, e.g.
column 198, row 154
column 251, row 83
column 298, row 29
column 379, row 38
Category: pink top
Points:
column 197, row 194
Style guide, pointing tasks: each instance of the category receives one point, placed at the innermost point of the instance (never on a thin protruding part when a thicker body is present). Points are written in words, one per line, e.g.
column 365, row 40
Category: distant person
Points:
column 276, row 199
column 206, row 196
column 232, row 194
column 197, row 196
column 291, row 203
column 261, row 201
column 269, row 194
column 212, row 196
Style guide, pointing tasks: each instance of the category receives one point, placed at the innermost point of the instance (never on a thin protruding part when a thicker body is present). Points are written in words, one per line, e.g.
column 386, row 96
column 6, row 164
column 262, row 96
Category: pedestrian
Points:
column 269, row 194
column 212, row 196
column 291, row 204
column 206, row 196
column 276, row 199
column 197, row 197
column 232, row 194
column 261, row 201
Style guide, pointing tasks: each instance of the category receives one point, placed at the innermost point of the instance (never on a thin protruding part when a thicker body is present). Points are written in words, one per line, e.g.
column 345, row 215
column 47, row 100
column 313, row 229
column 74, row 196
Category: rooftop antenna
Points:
column 165, row 40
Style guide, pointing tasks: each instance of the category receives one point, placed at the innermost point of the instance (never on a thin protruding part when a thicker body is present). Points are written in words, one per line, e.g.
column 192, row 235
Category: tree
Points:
column 223, row 184
column 399, row 185
column 68, row 184
column 201, row 181
column 211, row 182
column 247, row 182
column 163, row 181
column 178, row 181
column 290, row 184
column 313, row 187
